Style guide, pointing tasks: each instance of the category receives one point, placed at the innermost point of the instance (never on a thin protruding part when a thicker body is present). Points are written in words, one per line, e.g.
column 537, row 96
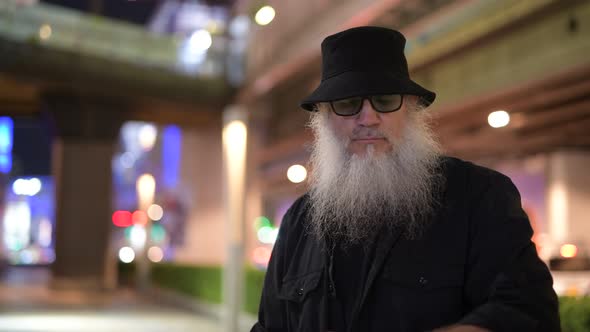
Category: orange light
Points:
column 568, row 250
column 122, row 219
column 139, row 218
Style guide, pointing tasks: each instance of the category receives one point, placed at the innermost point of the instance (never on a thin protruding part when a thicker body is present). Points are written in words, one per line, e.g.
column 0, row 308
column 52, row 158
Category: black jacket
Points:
column 475, row 265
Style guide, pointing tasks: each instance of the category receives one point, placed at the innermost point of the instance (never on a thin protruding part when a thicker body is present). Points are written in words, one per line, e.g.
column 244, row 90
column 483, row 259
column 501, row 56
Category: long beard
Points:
column 353, row 198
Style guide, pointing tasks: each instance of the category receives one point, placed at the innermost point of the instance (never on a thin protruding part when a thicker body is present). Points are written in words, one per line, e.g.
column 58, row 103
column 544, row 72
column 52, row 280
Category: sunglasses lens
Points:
column 386, row 103
column 346, row 107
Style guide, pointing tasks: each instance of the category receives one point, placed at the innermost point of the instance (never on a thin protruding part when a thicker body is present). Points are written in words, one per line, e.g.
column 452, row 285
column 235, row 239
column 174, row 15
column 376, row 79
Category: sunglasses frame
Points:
column 370, row 98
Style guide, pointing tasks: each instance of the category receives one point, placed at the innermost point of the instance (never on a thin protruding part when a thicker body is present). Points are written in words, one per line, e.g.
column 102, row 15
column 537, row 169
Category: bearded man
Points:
column 393, row 235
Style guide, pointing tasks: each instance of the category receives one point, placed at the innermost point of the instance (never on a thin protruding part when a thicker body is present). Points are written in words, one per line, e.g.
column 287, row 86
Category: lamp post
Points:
column 235, row 135
column 146, row 188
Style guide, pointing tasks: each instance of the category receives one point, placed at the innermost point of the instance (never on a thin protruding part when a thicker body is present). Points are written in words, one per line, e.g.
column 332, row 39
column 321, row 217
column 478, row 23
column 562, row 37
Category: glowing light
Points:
column 147, row 136
column 6, row 130
column 126, row 255
column 568, row 251
column 25, row 187
column 171, row 151
column 261, row 221
column 155, row 254
column 261, row 255
column 498, row 119
column 265, row 15
column 146, row 187
column 35, row 185
column 45, row 31
column 239, row 26
column 200, row 41
column 558, row 208
column 235, row 133
column 137, row 236
column 158, row 233
column 155, row 212
column 267, row 235
column 122, row 218
column 5, row 163
column 17, row 225
column 45, row 230
column 234, row 139
column 139, row 218
column 127, row 160
column 296, row 173
column 27, row 257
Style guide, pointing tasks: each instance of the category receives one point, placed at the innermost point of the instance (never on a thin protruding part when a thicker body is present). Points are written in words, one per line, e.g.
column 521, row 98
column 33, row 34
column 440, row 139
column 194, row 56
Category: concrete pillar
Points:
column 86, row 130
column 568, row 199
column 234, row 174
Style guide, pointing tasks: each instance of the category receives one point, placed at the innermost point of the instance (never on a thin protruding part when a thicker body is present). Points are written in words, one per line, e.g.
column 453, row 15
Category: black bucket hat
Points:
column 365, row 61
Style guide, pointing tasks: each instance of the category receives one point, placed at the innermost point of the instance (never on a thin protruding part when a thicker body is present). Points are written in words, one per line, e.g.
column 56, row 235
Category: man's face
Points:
column 370, row 130
column 371, row 165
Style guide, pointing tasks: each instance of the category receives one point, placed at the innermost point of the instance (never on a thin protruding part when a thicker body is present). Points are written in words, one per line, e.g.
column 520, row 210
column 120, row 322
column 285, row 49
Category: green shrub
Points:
column 202, row 282
column 575, row 314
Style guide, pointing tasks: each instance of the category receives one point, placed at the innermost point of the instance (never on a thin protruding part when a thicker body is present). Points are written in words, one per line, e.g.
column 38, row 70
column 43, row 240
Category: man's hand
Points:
column 461, row 328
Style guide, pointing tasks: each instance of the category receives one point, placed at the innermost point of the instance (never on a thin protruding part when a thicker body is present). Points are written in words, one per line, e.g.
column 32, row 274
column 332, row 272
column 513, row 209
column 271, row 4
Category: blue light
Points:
column 6, row 127
column 171, row 149
column 5, row 163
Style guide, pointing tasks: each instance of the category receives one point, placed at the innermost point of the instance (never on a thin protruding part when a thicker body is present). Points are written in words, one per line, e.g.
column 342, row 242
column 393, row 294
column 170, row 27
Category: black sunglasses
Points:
column 381, row 104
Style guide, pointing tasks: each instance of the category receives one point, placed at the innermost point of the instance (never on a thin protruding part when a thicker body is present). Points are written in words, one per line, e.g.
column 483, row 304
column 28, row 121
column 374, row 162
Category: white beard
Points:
column 354, row 197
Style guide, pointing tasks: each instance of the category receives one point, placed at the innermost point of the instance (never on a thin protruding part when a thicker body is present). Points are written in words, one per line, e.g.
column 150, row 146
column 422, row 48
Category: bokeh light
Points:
column 30, row 187
column 568, row 250
column 155, row 254
column 126, row 255
column 267, row 234
column 137, row 236
column 296, row 173
column 45, row 31
column 127, row 159
column 260, row 222
column 147, row 136
column 265, row 15
column 498, row 119
column 146, row 189
column 122, row 218
column 155, row 212
column 139, row 218
column 200, row 41
column 158, row 233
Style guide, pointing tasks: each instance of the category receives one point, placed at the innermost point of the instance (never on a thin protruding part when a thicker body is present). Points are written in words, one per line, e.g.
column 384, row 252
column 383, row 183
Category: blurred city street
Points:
column 151, row 150
column 27, row 304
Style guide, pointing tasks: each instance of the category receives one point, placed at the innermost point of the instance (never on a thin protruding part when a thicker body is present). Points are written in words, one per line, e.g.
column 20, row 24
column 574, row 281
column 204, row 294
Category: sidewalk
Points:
column 27, row 304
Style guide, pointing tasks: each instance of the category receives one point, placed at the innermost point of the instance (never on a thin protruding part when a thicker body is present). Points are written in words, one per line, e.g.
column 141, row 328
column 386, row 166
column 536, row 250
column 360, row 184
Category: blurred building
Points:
column 126, row 88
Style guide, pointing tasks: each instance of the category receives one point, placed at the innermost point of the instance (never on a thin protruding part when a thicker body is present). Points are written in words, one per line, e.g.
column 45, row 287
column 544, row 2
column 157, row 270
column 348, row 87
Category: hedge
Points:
column 574, row 313
column 204, row 283
column 201, row 282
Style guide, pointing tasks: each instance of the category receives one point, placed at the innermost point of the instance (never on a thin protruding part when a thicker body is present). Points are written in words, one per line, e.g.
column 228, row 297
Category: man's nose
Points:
column 368, row 116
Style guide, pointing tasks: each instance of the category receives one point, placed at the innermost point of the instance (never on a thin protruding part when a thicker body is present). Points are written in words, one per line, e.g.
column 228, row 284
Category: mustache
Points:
column 367, row 132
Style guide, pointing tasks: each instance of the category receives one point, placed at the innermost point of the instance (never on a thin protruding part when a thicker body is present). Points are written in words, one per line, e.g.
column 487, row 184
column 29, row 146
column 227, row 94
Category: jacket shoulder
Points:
column 296, row 213
column 475, row 178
